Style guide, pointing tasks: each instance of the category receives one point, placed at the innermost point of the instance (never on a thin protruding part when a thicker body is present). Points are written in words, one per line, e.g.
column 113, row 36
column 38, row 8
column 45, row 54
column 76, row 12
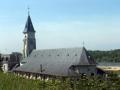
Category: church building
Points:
column 64, row 62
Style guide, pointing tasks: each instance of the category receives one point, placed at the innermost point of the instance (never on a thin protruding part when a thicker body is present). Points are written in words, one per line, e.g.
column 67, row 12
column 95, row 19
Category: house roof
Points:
column 29, row 26
column 56, row 61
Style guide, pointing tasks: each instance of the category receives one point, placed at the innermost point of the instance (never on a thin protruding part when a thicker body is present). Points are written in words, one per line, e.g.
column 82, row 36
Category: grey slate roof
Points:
column 29, row 26
column 56, row 61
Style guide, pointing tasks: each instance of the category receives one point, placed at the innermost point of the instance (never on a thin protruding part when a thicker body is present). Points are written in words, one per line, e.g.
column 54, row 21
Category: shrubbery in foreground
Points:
column 11, row 82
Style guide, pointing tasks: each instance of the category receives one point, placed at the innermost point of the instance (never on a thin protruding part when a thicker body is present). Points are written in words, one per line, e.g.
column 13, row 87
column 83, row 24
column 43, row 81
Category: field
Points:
column 9, row 81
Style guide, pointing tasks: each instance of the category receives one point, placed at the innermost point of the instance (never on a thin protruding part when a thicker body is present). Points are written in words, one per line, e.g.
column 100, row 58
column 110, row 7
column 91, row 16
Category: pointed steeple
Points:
column 29, row 39
column 29, row 26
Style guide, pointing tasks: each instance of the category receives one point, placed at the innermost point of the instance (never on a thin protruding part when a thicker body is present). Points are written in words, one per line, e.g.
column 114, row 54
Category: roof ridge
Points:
column 59, row 48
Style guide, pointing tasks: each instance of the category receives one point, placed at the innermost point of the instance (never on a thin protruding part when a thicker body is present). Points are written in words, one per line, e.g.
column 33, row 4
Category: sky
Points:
column 61, row 24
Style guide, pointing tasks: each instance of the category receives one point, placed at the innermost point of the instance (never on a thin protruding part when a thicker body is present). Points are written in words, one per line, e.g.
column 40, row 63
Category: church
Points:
column 63, row 62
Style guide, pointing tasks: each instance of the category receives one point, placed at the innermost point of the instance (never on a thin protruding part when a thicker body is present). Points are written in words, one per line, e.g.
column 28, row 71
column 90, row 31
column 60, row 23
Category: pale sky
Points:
column 61, row 24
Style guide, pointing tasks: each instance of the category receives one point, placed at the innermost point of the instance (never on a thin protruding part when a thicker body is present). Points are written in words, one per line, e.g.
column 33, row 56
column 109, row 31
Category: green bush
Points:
column 9, row 81
column 106, row 56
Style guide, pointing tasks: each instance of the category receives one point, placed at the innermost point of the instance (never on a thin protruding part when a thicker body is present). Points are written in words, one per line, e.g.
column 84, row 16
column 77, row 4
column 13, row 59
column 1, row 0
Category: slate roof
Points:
column 56, row 61
column 29, row 26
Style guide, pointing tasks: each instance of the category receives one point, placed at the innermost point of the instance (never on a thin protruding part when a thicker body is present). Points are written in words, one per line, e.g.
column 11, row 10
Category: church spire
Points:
column 29, row 39
column 29, row 26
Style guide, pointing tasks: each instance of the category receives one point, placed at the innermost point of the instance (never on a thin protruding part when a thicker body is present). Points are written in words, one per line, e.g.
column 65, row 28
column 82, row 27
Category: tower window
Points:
column 89, row 56
column 6, row 58
column 2, row 58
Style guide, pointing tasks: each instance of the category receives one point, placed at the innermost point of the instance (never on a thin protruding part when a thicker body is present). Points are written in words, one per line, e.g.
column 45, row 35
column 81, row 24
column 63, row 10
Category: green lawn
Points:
column 11, row 82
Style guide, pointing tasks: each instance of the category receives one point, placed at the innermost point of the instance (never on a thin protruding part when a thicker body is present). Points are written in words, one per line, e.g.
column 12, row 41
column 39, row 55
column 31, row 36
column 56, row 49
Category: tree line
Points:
column 106, row 56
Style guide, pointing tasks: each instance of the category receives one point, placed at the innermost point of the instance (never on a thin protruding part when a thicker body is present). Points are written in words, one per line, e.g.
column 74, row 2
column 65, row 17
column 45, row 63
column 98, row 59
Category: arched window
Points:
column 6, row 58
column 2, row 58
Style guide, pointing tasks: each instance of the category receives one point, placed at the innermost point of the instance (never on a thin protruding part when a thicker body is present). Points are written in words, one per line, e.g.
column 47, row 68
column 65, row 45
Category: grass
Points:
column 9, row 81
column 12, row 82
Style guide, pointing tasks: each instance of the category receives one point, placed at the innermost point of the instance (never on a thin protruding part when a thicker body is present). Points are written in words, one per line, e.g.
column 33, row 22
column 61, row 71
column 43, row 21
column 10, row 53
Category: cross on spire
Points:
column 83, row 44
column 29, row 26
column 28, row 10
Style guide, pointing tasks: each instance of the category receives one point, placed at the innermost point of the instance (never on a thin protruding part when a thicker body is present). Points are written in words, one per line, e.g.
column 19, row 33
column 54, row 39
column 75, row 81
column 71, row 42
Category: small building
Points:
column 65, row 62
column 9, row 61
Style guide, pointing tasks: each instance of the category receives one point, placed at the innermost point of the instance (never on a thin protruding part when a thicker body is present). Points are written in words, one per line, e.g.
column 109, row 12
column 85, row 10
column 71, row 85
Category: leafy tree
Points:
column 106, row 56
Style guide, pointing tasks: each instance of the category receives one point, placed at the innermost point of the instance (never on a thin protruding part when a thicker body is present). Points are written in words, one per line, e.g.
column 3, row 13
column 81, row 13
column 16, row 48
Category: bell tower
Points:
column 29, row 38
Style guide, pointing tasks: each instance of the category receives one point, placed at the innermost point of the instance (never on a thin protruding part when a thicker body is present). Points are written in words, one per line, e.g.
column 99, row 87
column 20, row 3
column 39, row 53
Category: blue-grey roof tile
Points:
column 56, row 61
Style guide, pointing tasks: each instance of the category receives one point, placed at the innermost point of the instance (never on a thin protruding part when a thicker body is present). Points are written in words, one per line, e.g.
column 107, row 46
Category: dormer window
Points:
column 34, row 55
column 67, row 54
